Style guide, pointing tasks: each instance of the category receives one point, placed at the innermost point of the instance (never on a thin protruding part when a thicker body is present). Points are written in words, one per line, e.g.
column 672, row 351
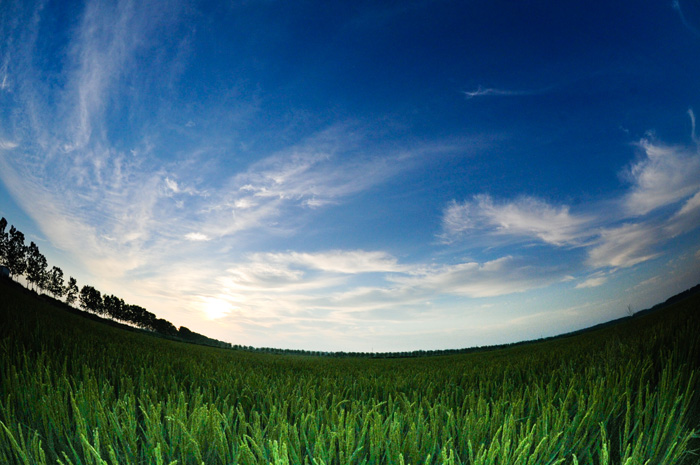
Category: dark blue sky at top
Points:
column 336, row 164
column 592, row 75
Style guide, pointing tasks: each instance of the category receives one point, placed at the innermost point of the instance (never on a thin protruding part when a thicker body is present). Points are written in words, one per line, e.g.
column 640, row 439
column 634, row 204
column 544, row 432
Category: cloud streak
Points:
column 494, row 92
column 527, row 217
column 624, row 246
column 592, row 282
column 692, row 28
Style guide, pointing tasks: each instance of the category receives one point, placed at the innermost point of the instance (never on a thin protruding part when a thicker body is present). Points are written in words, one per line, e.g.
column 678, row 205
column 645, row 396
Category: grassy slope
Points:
column 79, row 391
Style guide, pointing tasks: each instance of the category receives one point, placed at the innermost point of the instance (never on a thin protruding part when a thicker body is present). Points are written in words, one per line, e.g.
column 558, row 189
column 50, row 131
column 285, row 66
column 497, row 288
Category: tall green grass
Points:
column 74, row 391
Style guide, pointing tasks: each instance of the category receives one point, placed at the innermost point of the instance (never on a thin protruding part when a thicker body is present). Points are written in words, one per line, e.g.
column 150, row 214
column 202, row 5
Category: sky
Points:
column 358, row 176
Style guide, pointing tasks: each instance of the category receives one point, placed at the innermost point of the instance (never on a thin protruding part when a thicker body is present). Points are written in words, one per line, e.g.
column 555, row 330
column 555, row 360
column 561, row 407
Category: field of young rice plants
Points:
column 76, row 391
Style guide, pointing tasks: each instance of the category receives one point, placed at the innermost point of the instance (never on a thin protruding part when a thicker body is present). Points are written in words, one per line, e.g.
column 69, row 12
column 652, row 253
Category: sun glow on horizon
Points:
column 215, row 308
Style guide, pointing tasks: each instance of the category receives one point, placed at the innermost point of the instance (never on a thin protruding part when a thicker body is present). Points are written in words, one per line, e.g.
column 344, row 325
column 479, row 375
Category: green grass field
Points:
column 76, row 391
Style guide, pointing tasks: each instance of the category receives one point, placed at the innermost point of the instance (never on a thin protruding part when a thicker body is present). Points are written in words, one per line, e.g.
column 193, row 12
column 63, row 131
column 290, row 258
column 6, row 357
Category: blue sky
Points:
column 365, row 176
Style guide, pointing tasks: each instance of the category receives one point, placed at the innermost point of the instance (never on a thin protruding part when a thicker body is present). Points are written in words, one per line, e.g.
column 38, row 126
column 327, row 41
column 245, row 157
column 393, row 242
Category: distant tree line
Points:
column 28, row 261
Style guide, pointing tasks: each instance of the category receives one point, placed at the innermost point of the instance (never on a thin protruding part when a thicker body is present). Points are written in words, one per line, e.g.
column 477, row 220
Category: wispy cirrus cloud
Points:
column 87, row 195
column 4, row 78
column 322, row 170
column 495, row 92
column 197, row 237
column 694, row 28
column 526, row 217
column 664, row 176
column 592, row 282
column 177, row 188
column 7, row 145
column 685, row 219
column 336, row 261
column 333, row 285
column 625, row 246
column 690, row 207
column 502, row 276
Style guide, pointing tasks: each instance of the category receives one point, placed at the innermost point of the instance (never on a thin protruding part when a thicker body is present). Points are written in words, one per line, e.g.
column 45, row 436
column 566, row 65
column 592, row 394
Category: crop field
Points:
column 76, row 391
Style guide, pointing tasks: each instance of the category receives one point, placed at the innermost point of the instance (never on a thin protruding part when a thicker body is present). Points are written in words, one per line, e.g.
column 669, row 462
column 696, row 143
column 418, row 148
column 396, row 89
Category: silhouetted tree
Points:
column 108, row 302
column 121, row 305
column 114, row 306
column 3, row 241
column 129, row 313
column 139, row 316
column 36, row 266
column 185, row 333
column 164, row 327
column 16, row 252
column 71, row 291
column 147, row 319
column 55, row 282
column 91, row 299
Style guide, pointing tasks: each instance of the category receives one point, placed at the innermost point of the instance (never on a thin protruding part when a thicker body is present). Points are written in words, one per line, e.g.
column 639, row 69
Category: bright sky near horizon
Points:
column 358, row 176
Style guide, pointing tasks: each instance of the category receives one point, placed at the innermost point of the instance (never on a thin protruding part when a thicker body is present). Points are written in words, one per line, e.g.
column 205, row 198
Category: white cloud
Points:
column 493, row 92
column 692, row 28
column 7, row 145
column 197, row 237
column 4, row 77
column 592, row 282
column 176, row 188
column 172, row 185
column 502, row 276
column 624, row 246
column 686, row 219
column 244, row 203
column 527, row 216
column 337, row 261
column 316, row 203
column 666, row 175
column 648, row 283
column 690, row 206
